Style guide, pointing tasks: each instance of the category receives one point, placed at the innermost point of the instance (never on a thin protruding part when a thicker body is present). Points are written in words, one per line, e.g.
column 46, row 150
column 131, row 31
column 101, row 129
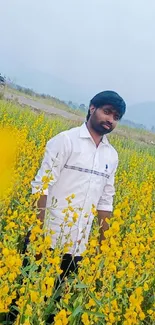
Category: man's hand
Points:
column 41, row 205
column 102, row 215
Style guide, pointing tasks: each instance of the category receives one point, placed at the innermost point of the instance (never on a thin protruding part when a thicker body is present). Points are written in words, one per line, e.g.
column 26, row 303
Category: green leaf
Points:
column 58, row 292
column 94, row 313
column 77, row 311
column 67, row 307
column 15, row 308
column 99, row 303
column 51, row 305
column 81, row 286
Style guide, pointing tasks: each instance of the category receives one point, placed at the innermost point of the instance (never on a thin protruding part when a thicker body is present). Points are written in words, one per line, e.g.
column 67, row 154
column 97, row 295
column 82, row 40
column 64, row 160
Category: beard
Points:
column 101, row 128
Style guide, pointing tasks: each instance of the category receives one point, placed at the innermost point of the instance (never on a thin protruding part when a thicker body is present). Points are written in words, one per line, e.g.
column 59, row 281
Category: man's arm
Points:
column 105, row 204
column 57, row 152
column 102, row 215
column 41, row 205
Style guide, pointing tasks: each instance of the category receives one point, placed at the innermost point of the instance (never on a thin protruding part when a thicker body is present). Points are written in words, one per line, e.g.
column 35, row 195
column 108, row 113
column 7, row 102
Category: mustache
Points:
column 107, row 124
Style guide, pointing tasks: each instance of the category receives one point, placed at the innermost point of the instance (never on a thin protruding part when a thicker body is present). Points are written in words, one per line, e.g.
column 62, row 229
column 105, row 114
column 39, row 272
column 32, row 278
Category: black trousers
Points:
column 69, row 263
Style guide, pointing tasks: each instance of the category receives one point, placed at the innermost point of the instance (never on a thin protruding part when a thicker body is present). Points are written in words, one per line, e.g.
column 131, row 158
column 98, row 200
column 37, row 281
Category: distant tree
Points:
column 70, row 103
column 141, row 126
column 82, row 106
column 2, row 80
column 29, row 91
column 19, row 88
column 44, row 96
column 153, row 129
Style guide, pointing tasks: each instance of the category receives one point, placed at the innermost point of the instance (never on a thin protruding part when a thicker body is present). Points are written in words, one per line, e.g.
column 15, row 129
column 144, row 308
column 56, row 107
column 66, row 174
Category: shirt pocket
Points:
column 81, row 159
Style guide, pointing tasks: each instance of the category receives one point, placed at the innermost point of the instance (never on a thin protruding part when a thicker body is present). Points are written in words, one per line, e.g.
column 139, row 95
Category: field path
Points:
column 38, row 106
column 49, row 109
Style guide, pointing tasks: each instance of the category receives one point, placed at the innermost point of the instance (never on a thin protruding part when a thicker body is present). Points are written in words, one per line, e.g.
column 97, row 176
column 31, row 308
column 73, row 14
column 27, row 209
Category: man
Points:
column 82, row 162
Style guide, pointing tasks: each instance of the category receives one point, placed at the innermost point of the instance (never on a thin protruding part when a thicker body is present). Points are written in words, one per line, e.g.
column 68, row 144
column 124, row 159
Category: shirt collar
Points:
column 84, row 133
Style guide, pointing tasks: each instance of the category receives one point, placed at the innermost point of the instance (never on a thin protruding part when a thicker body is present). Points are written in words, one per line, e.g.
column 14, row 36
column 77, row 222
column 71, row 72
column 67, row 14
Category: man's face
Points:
column 104, row 119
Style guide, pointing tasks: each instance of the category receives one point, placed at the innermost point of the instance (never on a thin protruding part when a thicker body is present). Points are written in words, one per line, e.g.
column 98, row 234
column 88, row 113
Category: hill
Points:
column 142, row 113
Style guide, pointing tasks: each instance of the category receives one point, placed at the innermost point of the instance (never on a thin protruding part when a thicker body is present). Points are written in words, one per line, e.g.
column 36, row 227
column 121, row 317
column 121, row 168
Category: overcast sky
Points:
column 75, row 48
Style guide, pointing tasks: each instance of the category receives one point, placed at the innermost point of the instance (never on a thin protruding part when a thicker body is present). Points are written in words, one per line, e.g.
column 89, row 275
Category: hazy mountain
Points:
column 47, row 83
column 43, row 82
column 142, row 113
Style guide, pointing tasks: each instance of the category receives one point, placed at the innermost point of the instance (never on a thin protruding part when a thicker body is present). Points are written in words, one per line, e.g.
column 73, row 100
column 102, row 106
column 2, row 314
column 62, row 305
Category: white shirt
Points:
column 80, row 168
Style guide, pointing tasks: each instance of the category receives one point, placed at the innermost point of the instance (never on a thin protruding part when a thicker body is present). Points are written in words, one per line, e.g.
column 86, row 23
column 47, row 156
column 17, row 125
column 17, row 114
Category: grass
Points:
column 115, row 282
column 55, row 102
column 138, row 135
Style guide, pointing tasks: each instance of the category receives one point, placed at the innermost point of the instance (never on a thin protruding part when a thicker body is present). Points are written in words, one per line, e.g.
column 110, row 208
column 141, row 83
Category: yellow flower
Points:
column 61, row 318
column 117, row 213
column 58, row 322
column 150, row 311
column 93, row 210
column 113, row 274
column 22, row 290
column 85, row 319
column 134, row 251
column 93, row 243
column 70, row 224
column 146, row 287
column 112, row 318
column 28, row 311
column 5, row 290
column 120, row 274
column 47, row 240
column 141, row 315
column 104, row 248
column 131, row 266
column 12, row 276
column 115, row 226
column 55, row 260
column 27, row 322
column 50, row 281
column 90, row 304
column 45, row 179
column 75, row 216
column 5, row 251
column 34, row 296
column 66, row 298
column 137, row 217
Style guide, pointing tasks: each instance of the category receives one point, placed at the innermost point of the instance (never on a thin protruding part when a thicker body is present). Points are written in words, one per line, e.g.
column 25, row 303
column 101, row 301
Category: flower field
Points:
column 116, row 281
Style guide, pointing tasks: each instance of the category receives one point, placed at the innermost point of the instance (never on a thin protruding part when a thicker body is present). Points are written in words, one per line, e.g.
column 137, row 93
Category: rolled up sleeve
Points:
column 57, row 151
column 106, row 200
